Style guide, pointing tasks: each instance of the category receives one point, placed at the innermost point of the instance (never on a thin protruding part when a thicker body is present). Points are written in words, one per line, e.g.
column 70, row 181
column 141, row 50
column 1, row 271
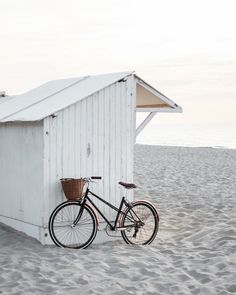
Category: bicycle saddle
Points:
column 128, row 185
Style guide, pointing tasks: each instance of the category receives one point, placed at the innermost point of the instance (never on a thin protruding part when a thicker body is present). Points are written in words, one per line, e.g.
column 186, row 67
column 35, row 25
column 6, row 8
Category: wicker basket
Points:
column 73, row 188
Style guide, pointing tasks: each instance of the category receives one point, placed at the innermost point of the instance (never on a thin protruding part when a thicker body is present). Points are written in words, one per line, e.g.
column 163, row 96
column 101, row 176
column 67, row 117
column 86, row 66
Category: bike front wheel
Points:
column 67, row 233
column 142, row 222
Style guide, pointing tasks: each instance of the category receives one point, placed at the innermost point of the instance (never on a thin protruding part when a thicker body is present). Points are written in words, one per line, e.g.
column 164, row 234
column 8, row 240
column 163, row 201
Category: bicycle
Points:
column 74, row 224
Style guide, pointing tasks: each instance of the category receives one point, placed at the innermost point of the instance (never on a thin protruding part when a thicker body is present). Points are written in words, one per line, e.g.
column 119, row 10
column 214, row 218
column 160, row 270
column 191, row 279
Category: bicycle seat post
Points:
column 125, row 192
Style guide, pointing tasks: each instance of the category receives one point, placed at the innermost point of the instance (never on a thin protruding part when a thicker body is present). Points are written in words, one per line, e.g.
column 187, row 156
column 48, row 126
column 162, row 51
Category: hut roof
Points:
column 56, row 95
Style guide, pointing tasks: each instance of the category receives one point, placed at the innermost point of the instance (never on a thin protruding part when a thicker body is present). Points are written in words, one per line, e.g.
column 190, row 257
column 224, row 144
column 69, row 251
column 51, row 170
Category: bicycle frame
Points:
column 118, row 210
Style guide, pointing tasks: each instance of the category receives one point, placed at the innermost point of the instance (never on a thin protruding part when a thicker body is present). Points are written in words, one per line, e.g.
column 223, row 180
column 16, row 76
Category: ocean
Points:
column 188, row 136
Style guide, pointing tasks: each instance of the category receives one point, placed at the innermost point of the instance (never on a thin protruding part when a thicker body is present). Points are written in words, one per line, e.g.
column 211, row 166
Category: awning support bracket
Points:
column 145, row 122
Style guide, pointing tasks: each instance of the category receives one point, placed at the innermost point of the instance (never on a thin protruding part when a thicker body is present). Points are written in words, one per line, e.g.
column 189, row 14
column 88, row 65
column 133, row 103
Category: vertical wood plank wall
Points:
column 21, row 175
column 92, row 137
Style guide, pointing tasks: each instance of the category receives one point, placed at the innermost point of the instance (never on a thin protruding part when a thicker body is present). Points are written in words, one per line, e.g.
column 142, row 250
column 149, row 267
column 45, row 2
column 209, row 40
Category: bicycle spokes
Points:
column 145, row 220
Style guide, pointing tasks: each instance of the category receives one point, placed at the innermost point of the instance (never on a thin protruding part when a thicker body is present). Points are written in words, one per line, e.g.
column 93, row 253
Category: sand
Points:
column 194, row 190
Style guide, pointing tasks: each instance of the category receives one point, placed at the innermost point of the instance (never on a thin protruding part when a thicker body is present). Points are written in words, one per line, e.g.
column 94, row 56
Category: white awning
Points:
column 148, row 99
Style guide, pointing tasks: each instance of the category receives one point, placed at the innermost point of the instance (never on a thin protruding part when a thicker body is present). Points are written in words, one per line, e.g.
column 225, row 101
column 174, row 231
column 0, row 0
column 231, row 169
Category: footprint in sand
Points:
column 231, row 288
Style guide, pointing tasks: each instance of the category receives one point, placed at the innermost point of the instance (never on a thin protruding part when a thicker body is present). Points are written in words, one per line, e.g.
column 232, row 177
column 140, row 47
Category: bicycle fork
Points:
column 77, row 219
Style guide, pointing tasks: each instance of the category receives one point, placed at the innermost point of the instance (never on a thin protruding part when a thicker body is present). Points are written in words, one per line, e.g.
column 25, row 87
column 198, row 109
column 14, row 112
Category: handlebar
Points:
column 96, row 177
column 90, row 179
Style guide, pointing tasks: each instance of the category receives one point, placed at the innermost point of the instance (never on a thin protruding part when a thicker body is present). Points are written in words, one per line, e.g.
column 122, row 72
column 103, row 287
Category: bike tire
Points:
column 60, row 226
column 147, row 214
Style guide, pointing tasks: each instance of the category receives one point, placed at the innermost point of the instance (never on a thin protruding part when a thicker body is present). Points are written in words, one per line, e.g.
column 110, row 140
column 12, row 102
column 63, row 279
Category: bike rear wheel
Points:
column 63, row 230
column 142, row 222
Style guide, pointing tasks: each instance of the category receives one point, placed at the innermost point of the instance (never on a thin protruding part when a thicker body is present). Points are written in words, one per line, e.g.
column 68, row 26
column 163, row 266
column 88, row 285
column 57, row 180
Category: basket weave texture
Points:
column 73, row 188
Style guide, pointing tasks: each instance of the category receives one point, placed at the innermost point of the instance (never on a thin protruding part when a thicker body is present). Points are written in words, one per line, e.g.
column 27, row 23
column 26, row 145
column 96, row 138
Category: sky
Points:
column 185, row 48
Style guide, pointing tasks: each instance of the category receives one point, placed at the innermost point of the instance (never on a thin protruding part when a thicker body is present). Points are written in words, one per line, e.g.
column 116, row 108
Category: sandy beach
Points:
column 194, row 190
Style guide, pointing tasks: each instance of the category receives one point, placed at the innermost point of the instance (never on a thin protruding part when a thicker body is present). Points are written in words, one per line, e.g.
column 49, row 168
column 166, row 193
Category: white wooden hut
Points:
column 69, row 128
